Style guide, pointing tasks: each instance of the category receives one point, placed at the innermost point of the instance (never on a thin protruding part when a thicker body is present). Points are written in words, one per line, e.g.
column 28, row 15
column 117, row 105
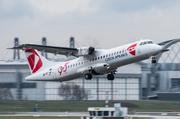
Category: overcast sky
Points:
column 110, row 22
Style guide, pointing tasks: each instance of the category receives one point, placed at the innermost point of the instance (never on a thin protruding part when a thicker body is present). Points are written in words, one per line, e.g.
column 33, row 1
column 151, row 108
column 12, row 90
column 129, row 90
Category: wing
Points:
column 50, row 49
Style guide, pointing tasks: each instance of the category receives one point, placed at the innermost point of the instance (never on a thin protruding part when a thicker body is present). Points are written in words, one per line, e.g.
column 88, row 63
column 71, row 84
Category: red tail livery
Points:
column 34, row 60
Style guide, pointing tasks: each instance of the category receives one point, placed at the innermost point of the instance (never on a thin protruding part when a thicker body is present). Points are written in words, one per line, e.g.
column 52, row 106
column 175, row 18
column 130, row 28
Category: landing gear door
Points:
column 139, row 51
column 139, row 47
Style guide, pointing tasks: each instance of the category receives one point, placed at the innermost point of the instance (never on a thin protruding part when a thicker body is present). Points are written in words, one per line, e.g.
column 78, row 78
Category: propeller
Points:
column 91, row 50
column 93, row 43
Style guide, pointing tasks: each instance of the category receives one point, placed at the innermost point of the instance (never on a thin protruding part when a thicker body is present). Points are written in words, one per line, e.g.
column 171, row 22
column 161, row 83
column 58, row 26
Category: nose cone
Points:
column 158, row 48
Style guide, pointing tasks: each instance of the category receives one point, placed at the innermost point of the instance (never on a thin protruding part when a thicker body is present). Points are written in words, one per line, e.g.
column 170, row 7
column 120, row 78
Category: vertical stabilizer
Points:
column 36, row 61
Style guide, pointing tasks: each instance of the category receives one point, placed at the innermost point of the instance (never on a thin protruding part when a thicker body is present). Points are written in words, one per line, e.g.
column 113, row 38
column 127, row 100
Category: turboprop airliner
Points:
column 89, row 62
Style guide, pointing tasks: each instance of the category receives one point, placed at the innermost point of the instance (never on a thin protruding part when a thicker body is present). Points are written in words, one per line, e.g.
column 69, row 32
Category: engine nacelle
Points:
column 85, row 51
column 100, row 67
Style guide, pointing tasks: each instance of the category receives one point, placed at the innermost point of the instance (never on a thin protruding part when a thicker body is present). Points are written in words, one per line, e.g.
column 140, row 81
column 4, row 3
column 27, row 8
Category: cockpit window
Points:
column 144, row 43
column 150, row 42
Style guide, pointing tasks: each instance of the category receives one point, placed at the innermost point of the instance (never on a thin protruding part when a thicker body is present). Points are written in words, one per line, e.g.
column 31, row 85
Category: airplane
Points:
column 89, row 62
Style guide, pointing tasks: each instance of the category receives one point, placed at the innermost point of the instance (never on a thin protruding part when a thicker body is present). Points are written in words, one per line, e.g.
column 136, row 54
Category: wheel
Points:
column 153, row 61
column 110, row 77
column 88, row 76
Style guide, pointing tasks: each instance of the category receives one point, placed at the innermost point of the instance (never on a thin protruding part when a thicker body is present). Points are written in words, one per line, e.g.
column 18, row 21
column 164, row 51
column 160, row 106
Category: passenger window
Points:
column 104, row 56
column 114, row 53
column 101, row 57
column 109, row 55
column 117, row 52
column 79, row 63
column 73, row 65
column 120, row 52
column 98, row 57
column 95, row 58
column 141, row 43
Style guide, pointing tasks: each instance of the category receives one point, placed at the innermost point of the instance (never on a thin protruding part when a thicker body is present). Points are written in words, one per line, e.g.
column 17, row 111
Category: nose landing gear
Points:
column 153, row 59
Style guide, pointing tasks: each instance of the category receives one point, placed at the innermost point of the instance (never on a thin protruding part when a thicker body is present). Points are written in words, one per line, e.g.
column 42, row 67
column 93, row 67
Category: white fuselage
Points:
column 102, row 62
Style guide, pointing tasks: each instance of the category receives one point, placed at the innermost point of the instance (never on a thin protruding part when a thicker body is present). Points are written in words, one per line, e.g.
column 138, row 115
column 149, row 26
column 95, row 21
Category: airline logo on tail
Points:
column 34, row 60
column 132, row 50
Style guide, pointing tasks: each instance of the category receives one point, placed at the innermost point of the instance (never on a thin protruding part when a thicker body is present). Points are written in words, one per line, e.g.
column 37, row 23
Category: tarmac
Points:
column 38, row 114
column 153, row 115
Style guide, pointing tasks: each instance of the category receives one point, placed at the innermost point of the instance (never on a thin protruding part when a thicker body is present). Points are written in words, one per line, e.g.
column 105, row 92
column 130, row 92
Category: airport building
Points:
column 161, row 81
column 124, row 87
column 138, row 81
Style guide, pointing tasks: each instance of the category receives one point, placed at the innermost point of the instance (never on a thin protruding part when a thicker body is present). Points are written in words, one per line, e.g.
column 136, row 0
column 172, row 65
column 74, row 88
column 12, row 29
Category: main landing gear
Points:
column 153, row 59
column 110, row 76
column 88, row 76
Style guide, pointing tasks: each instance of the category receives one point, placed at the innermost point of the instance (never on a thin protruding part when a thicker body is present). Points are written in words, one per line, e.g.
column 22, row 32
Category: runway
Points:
column 158, row 115
column 38, row 114
column 153, row 117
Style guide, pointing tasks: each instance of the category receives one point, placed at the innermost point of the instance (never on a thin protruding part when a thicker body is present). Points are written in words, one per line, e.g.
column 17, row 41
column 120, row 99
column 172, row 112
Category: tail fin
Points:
column 36, row 61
